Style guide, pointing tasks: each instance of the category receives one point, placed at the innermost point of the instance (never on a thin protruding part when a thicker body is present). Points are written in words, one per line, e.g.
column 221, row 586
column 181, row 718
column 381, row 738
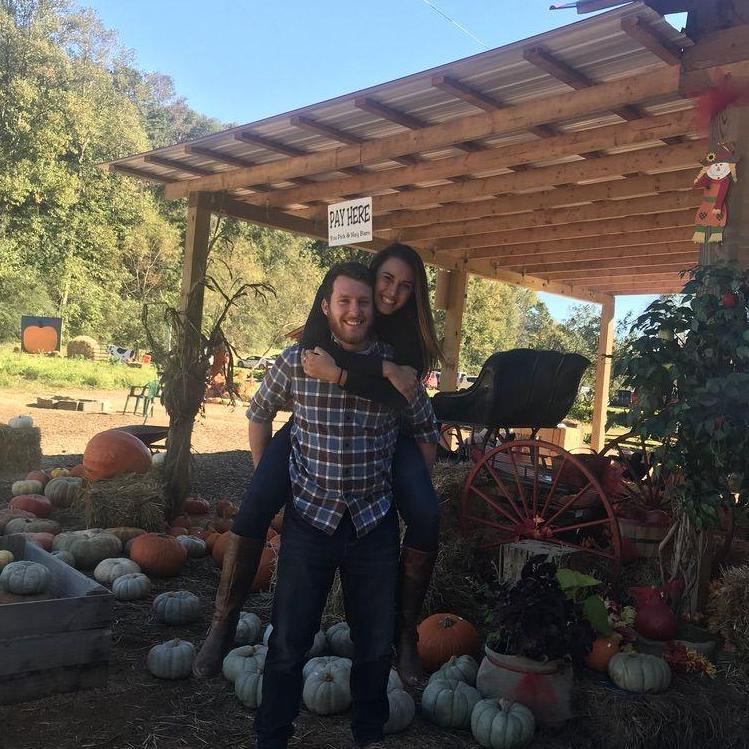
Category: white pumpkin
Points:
column 639, row 672
column 108, row 570
column 158, row 459
column 131, row 586
column 244, row 658
column 20, row 422
column 194, row 546
column 327, row 692
column 88, row 547
column 32, row 525
column 27, row 486
column 460, row 667
column 339, row 639
column 449, row 703
column 502, row 724
column 394, row 680
column 25, row 578
column 171, row 660
column 402, row 711
column 6, row 557
column 249, row 688
column 248, row 628
column 176, row 607
column 325, row 662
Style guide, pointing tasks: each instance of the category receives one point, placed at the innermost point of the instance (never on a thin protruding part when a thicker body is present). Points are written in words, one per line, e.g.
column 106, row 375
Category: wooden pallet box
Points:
column 59, row 642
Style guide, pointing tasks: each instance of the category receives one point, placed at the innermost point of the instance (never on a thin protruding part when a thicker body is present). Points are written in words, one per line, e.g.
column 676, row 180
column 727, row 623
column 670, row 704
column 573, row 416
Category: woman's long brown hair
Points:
column 418, row 306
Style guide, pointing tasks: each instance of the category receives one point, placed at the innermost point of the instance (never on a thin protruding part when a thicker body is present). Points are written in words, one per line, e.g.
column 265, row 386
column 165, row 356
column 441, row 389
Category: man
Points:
column 341, row 516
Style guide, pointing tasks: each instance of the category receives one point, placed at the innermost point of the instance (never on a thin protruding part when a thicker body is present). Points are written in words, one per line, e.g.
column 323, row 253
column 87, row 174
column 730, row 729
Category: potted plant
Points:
column 539, row 627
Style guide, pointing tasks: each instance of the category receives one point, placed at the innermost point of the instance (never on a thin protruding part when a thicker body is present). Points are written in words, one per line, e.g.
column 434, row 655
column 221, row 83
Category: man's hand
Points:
column 260, row 434
column 320, row 365
column 404, row 379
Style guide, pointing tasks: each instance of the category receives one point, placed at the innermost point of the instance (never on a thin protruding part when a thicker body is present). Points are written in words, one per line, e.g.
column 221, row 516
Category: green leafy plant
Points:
column 578, row 588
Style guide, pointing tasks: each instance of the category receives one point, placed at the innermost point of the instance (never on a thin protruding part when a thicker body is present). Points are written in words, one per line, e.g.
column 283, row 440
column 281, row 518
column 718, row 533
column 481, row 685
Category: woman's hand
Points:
column 320, row 365
column 404, row 379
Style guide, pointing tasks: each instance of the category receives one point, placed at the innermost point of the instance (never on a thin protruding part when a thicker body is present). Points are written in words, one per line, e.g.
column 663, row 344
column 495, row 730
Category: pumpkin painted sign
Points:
column 40, row 335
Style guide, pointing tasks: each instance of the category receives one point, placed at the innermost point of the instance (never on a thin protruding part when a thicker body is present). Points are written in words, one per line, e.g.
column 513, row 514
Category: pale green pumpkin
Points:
column 339, row 640
column 460, row 667
column 249, row 628
column 171, row 660
column 131, row 586
column 108, row 570
column 449, row 703
column 323, row 663
column 244, row 658
column 26, row 486
column 402, row 711
column 176, row 607
column 327, row 692
column 638, row 672
column 88, row 547
column 502, row 724
column 195, row 547
column 25, row 578
column 249, row 688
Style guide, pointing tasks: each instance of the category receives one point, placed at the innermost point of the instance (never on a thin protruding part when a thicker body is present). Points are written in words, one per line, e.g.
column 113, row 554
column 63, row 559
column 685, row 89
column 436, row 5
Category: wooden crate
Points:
column 60, row 642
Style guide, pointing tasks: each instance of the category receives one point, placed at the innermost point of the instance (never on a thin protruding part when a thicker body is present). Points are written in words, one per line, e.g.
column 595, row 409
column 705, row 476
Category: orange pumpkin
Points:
column 181, row 520
column 78, row 470
column 113, row 453
column 265, row 567
column 604, row 649
column 37, row 476
column 196, row 506
column 442, row 636
column 35, row 503
column 39, row 339
column 158, row 554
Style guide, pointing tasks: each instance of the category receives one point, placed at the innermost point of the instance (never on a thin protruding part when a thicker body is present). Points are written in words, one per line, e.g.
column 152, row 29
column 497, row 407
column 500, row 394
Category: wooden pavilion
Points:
column 562, row 163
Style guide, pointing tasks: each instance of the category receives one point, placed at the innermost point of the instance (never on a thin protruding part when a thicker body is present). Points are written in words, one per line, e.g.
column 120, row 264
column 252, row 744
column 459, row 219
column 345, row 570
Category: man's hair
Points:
column 353, row 270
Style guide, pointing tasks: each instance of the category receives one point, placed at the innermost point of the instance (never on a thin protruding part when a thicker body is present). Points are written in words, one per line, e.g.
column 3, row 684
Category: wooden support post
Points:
column 603, row 374
column 441, row 289
column 177, row 467
column 456, row 300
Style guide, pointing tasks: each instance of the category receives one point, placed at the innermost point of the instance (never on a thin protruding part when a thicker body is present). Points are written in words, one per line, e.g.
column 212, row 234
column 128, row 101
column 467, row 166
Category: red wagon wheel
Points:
column 530, row 489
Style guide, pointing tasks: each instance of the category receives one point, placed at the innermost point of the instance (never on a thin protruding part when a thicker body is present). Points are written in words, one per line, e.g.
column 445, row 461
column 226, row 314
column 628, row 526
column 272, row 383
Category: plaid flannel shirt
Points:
column 341, row 445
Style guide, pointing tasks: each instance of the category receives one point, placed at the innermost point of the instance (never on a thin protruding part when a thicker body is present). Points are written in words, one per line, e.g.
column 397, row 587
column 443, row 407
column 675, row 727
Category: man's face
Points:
column 350, row 313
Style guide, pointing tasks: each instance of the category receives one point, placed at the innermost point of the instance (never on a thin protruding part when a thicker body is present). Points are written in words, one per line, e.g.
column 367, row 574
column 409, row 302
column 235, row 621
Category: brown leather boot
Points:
column 415, row 573
column 241, row 560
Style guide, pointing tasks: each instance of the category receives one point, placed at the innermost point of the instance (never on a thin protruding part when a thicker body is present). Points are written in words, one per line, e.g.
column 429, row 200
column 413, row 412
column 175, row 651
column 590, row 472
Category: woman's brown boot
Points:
column 241, row 560
column 415, row 573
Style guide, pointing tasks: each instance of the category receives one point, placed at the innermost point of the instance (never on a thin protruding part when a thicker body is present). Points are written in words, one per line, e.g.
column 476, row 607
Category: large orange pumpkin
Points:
column 442, row 636
column 113, row 453
column 36, row 503
column 158, row 554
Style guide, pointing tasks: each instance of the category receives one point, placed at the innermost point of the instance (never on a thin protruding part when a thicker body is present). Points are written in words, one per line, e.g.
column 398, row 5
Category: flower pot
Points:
column 543, row 687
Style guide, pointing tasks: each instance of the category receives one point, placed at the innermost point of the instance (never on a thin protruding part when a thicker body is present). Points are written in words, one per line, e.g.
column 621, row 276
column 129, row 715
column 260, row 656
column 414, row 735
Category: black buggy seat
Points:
column 521, row 389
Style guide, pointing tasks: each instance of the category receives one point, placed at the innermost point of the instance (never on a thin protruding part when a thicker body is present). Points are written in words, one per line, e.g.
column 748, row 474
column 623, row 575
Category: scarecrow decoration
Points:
column 719, row 168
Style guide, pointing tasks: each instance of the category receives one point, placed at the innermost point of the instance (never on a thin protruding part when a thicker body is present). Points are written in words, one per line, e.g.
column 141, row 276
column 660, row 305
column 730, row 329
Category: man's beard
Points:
column 351, row 335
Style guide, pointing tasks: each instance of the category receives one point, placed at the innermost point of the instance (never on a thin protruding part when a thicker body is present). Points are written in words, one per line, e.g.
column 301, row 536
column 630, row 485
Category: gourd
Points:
column 112, row 453
column 402, row 711
column 158, row 554
column 131, row 586
column 171, row 660
column 248, row 628
column 194, row 547
column 460, row 667
column 327, row 692
column 244, row 658
column 6, row 557
column 108, row 570
column 449, row 702
column 444, row 635
column 20, row 422
column 88, row 547
column 57, row 473
column 176, row 607
column 27, row 486
column 196, row 506
column 249, row 688
column 339, row 639
column 37, row 504
column 64, row 556
column 502, row 724
column 25, row 578
column 324, row 663
column 62, row 492
column 638, row 672
column 33, row 525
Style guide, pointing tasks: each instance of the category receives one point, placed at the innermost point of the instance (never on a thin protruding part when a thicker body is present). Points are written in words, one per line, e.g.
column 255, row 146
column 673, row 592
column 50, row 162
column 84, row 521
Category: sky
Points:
column 242, row 60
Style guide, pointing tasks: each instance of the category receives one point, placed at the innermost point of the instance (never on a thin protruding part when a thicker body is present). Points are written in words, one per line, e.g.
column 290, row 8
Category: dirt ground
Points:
column 137, row 711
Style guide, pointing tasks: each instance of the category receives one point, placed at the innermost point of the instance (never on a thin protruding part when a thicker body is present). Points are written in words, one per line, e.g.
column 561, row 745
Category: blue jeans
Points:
column 306, row 567
column 270, row 488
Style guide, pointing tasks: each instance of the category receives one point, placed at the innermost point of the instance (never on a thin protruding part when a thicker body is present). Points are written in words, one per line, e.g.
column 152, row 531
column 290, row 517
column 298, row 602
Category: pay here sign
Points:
column 350, row 222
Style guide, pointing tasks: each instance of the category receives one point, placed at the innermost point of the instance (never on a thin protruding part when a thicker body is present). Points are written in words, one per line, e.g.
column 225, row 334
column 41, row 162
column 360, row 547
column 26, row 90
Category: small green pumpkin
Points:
column 324, row 663
column 33, row 525
column 131, row 586
column 63, row 491
column 249, row 628
column 249, row 688
column 88, row 547
column 64, row 556
column 27, row 486
column 108, row 570
column 176, row 607
column 25, row 578
column 460, row 667
column 171, row 660
column 638, row 672
column 502, row 724
column 194, row 546
column 339, row 639
column 449, row 702
column 244, row 658
column 327, row 692
column 402, row 711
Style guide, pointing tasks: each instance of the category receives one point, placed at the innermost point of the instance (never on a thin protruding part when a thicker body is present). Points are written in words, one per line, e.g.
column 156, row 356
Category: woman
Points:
column 404, row 321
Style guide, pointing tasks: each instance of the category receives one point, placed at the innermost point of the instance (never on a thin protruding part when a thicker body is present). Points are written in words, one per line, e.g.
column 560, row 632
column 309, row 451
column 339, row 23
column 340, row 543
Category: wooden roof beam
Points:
column 477, row 98
column 180, row 165
column 578, row 270
column 556, row 108
column 131, row 171
column 633, row 277
column 646, row 131
column 640, row 30
column 224, row 158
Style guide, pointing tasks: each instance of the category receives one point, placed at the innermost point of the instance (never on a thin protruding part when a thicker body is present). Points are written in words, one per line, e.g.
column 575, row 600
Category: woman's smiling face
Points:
column 393, row 286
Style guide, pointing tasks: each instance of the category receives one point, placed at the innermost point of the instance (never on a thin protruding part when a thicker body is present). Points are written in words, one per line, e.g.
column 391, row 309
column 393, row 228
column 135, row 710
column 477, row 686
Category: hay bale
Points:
column 133, row 499
column 83, row 346
column 728, row 609
column 20, row 449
